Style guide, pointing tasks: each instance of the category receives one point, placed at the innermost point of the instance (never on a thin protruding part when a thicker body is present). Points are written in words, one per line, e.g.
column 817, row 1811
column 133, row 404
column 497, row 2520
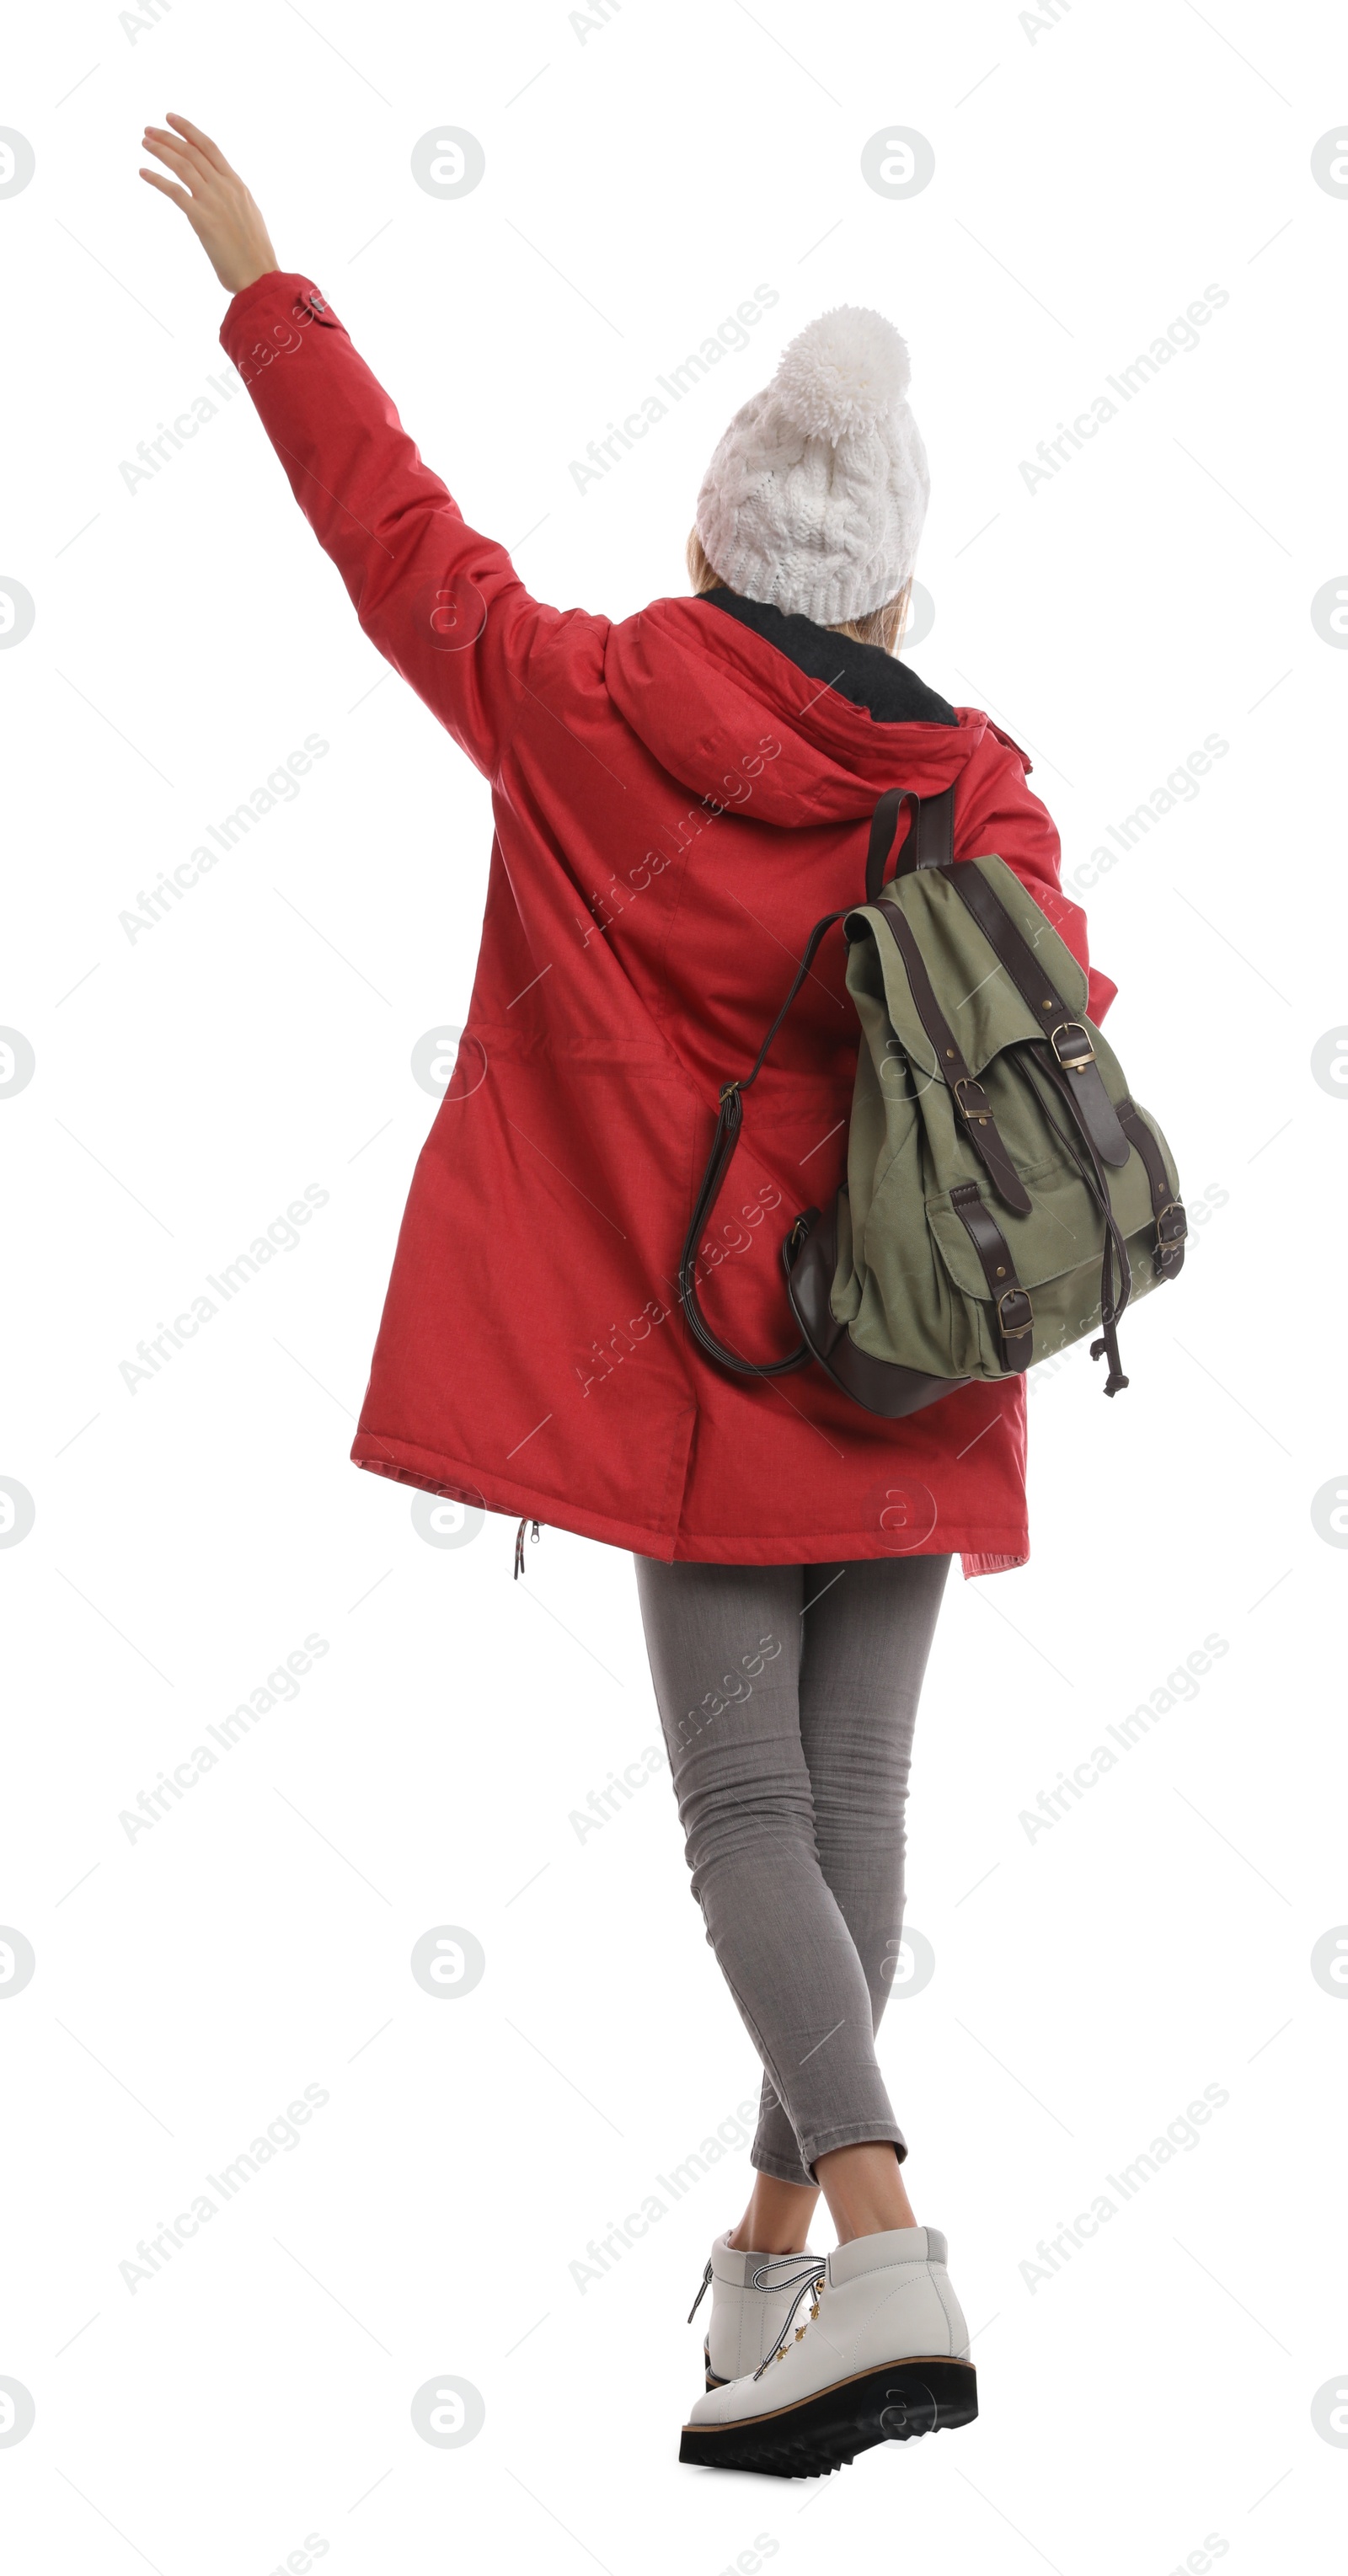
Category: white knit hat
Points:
column 815, row 498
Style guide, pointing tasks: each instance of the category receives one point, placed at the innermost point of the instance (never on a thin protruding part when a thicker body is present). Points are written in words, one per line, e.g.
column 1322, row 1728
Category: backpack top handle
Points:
column 931, row 835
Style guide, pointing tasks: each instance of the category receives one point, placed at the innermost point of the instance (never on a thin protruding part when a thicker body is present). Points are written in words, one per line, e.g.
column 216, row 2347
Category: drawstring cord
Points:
column 519, row 1545
column 1111, row 1307
column 1115, row 1251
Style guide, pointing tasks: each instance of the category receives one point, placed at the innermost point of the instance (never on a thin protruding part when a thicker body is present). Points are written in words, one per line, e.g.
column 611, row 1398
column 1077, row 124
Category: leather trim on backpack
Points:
column 810, row 1261
column 1172, row 1225
column 1013, row 1315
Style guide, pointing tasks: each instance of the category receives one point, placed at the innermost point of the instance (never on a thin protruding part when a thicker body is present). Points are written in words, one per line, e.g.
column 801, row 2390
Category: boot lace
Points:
column 759, row 2280
column 810, row 2285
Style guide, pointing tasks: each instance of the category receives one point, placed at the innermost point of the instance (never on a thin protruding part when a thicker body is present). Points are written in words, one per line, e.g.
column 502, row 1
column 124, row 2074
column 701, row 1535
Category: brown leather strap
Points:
column 931, row 842
column 724, row 1142
column 931, row 835
column 1010, row 1302
column 969, row 1097
column 1172, row 1225
column 1114, row 1260
column 730, row 1118
column 931, row 838
column 1068, row 1037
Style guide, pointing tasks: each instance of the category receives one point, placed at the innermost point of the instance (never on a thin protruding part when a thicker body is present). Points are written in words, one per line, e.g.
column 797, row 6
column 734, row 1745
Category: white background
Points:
column 1092, row 176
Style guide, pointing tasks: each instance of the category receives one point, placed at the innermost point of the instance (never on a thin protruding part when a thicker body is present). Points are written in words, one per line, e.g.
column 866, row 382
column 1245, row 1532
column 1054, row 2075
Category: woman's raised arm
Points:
column 442, row 603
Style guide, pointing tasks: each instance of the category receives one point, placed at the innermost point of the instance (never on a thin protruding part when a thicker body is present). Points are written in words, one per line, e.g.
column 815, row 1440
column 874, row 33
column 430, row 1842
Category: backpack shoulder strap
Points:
column 729, row 1121
column 968, row 1095
column 929, row 843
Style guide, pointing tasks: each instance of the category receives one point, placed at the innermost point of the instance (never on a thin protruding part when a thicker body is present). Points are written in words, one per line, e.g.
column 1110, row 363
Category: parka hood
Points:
column 701, row 679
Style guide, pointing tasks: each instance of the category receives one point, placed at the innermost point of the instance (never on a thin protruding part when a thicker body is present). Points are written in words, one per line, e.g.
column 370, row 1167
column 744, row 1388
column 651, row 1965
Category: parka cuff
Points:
column 288, row 291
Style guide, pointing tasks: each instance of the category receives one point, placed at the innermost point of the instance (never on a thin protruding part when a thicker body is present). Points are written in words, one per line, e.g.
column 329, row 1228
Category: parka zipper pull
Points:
column 519, row 1545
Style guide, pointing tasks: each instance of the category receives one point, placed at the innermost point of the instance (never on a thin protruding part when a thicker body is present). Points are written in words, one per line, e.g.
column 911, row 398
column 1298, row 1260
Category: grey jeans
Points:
column 787, row 1694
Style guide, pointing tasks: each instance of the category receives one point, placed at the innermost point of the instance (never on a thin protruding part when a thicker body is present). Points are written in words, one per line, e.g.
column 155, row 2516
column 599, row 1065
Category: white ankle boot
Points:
column 874, row 2348
column 750, row 2297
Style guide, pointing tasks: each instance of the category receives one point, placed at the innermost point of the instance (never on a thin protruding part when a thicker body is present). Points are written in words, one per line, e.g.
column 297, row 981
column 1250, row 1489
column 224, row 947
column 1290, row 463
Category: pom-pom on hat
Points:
column 815, row 497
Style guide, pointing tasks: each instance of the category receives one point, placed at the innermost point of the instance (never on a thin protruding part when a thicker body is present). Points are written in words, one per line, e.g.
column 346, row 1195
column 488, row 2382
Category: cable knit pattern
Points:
column 815, row 498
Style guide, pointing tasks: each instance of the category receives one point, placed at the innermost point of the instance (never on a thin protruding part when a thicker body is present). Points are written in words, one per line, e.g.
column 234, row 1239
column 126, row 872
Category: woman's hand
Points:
column 215, row 201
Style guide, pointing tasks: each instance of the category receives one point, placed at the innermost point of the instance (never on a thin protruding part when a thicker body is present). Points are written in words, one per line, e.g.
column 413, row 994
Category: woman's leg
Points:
column 867, row 1633
column 725, row 1645
column 777, row 2216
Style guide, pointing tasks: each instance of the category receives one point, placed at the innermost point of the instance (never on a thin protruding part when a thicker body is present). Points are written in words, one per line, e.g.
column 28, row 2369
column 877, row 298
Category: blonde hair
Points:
column 882, row 626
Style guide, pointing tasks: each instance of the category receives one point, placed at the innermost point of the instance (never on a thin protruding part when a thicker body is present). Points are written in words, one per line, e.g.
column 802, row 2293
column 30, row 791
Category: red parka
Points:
column 677, row 798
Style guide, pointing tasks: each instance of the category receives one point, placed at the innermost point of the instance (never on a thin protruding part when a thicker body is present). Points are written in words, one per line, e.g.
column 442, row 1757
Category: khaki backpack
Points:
column 1004, row 1195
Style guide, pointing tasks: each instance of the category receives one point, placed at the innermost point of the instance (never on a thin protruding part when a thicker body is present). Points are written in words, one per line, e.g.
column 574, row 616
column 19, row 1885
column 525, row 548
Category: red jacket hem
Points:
column 982, row 1550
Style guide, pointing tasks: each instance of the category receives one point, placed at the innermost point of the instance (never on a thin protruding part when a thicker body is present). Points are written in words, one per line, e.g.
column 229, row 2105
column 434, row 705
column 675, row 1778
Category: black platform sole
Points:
column 823, row 2433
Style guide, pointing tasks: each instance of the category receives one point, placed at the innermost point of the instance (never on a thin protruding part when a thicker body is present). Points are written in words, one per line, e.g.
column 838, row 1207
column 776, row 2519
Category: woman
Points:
column 677, row 798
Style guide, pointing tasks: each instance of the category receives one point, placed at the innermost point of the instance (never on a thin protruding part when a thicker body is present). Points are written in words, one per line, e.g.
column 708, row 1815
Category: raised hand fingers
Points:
column 215, row 201
column 167, row 189
column 210, row 152
column 178, row 156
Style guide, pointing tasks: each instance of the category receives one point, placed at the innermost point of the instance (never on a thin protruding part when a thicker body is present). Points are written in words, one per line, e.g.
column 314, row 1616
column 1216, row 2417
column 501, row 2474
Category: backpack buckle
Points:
column 982, row 1111
column 1014, row 1320
column 1070, row 1031
column 1172, row 1229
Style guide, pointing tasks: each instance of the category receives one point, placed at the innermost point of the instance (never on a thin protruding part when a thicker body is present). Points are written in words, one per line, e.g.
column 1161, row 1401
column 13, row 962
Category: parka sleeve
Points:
column 1006, row 816
column 443, row 604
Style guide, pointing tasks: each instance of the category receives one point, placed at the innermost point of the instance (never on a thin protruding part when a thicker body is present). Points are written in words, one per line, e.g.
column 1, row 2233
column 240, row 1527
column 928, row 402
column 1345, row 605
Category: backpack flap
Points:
column 985, row 1007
